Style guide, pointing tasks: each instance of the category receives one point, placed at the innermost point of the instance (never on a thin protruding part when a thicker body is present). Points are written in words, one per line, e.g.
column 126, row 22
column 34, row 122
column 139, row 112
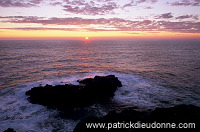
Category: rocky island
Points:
column 88, row 92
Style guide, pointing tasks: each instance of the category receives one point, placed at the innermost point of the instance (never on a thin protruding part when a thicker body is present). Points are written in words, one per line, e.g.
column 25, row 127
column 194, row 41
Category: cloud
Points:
column 165, row 16
column 86, row 7
column 137, row 2
column 102, row 24
column 99, row 7
column 11, row 17
column 188, row 16
column 29, row 3
column 184, row 17
column 146, row 1
column 185, row 3
column 182, row 27
column 19, row 3
column 59, row 21
column 41, row 28
column 148, row 7
column 55, row 3
column 60, row 29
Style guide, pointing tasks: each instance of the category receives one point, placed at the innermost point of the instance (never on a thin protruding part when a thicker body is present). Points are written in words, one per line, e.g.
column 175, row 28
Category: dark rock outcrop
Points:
column 9, row 130
column 90, row 91
column 177, row 114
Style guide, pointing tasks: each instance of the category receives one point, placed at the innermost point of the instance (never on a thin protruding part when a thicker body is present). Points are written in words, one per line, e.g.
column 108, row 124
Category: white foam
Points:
column 139, row 92
column 16, row 112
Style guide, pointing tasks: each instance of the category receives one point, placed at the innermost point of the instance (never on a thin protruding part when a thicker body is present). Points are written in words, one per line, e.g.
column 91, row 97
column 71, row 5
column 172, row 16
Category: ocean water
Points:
column 154, row 73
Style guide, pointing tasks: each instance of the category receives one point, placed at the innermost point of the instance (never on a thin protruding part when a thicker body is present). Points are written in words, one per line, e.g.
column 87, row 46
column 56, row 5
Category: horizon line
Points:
column 96, row 38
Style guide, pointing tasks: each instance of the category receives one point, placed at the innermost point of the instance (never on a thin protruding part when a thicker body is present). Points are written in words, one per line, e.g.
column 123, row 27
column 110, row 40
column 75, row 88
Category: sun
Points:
column 86, row 38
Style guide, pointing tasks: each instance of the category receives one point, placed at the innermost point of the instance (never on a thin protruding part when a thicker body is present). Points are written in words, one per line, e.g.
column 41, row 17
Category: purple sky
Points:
column 122, row 16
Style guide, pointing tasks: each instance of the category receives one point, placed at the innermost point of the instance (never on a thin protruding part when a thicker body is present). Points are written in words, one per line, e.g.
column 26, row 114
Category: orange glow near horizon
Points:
column 24, row 35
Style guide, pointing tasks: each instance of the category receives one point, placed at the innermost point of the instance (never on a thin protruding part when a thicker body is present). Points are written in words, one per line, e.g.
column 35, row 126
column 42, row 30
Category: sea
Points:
column 154, row 73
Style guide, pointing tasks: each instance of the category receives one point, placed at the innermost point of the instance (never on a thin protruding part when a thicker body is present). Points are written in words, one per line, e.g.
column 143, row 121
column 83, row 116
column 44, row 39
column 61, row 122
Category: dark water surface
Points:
column 154, row 73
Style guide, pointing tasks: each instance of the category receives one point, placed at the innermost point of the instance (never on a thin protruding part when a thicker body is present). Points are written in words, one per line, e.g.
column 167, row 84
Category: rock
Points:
column 177, row 114
column 90, row 91
column 9, row 130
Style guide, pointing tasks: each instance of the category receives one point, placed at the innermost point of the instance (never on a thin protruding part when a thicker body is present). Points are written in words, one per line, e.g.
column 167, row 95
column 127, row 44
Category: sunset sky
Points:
column 36, row 19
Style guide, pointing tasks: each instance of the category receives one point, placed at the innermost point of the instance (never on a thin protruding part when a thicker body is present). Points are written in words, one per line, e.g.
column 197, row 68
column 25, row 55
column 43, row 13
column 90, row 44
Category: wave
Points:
column 137, row 91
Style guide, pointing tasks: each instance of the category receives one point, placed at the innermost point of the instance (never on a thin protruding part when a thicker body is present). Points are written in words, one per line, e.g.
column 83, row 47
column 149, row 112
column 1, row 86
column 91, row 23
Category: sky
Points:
column 64, row 19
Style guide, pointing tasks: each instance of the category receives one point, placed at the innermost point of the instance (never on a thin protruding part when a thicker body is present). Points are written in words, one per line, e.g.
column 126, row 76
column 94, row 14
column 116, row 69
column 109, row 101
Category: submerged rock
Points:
column 9, row 130
column 178, row 114
column 90, row 91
